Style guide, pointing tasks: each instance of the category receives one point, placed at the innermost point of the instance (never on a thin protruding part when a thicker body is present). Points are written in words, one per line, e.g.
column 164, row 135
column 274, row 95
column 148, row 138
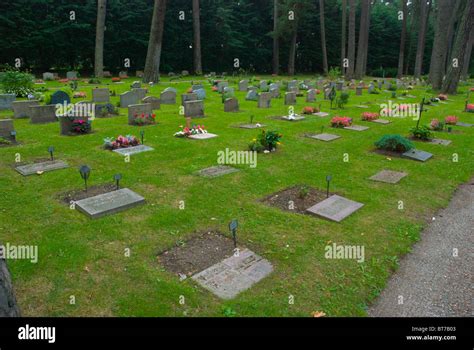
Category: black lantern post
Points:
column 51, row 152
column 233, row 229
column 328, row 180
column 13, row 135
column 85, row 172
column 142, row 135
column 117, row 178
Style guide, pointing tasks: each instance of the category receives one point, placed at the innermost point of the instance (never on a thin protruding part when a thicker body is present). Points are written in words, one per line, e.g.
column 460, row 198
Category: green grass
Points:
column 85, row 258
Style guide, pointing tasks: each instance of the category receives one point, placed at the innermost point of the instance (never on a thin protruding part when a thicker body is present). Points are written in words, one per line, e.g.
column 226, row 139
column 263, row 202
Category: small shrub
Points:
column 303, row 192
column 421, row 133
column 266, row 141
column 16, row 82
column 343, row 99
column 395, row 143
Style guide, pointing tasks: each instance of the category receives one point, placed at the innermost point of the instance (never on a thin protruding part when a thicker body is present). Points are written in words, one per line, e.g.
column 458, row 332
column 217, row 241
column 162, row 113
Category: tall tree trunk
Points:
column 415, row 16
column 450, row 84
column 99, row 39
column 366, row 45
column 197, row 38
column 323, row 37
column 343, row 35
column 467, row 56
column 440, row 44
column 292, row 57
column 455, row 16
column 351, row 42
column 401, row 55
column 420, row 48
column 153, row 56
column 276, row 39
column 363, row 31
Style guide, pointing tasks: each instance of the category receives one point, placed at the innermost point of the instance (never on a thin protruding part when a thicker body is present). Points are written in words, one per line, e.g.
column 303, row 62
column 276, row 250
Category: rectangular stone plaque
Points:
column 202, row 136
column 416, row 154
column 381, row 121
column 356, row 127
column 251, row 126
column 133, row 150
column 362, row 106
column 321, row 114
column 218, row 170
column 335, row 208
column 440, row 142
column 388, row 176
column 30, row 169
column 464, row 124
column 109, row 203
column 293, row 118
column 325, row 137
column 234, row 275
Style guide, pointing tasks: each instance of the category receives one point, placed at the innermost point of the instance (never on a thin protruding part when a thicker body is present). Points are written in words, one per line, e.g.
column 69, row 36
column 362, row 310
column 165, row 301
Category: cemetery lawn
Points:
column 86, row 258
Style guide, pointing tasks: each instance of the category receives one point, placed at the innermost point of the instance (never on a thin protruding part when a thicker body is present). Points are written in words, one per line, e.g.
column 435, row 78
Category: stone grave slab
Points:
column 321, row 114
column 30, row 169
column 335, row 208
column 218, row 170
column 201, row 94
column 234, row 275
column 293, row 118
column 140, row 92
column 109, row 203
column 43, row 114
column 440, row 142
column 168, row 96
column 6, row 101
column 388, row 176
column 464, row 124
column 416, row 154
column 381, row 121
column 194, row 109
column 290, row 98
column 356, row 127
column 231, row 105
column 21, row 109
column 154, row 101
column 101, row 95
column 205, row 136
column 133, row 150
column 188, row 97
column 251, row 126
column 264, row 100
column 138, row 109
column 325, row 137
column 128, row 98
column 6, row 128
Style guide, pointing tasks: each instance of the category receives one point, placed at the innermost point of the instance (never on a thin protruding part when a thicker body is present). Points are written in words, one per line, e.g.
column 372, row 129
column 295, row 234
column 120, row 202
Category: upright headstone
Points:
column 139, row 74
column 123, row 74
column 201, row 94
column 339, row 85
column 311, row 95
column 194, row 109
column 292, row 85
column 6, row 101
column 107, row 74
column 263, row 85
column 231, row 105
column 21, row 109
column 264, row 100
column 137, row 110
column 48, row 76
column 359, row 91
column 197, row 87
column 128, row 98
column 43, row 114
column 243, row 85
column 71, row 75
column 221, row 85
column 136, row 85
column 371, row 88
column 6, row 129
column 188, row 97
column 168, row 96
column 140, row 92
column 252, row 95
column 274, row 89
column 154, row 101
column 101, row 95
column 60, row 97
column 290, row 98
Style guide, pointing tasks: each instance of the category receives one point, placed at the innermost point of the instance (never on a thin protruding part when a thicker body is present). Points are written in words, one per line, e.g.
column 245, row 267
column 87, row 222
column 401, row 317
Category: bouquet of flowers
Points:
column 340, row 122
column 470, row 107
column 120, row 142
column 115, row 80
column 436, row 125
column 79, row 94
column 144, row 119
column 194, row 130
column 310, row 110
column 369, row 116
column 81, row 126
column 442, row 97
column 451, row 120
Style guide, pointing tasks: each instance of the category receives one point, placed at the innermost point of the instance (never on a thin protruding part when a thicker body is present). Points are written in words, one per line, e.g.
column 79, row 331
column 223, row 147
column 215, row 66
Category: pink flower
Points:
column 451, row 119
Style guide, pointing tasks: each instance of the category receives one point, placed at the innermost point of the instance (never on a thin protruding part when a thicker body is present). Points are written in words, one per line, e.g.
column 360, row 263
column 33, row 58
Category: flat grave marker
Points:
column 418, row 155
column 325, row 137
column 234, row 275
column 321, row 114
column 464, row 124
column 109, row 203
column 440, row 142
column 251, row 126
column 133, row 150
column 204, row 136
column 217, row 170
column 335, row 208
column 39, row 168
column 356, row 127
column 293, row 118
column 381, row 121
column 388, row 176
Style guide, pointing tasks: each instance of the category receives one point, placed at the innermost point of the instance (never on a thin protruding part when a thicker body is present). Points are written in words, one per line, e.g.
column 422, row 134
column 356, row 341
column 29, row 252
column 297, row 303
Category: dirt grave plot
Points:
column 295, row 199
column 197, row 254
column 77, row 195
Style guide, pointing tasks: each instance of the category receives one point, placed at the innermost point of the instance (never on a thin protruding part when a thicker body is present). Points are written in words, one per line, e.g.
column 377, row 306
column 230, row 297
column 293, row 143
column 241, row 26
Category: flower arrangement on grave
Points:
column 266, row 141
column 144, row 119
column 421, row 133
column 451, row 120
column 121, row 142
column 310, row 110
column 340, row 122
column 64, row 81
column 442, row 97
column 436, row 125
column 39, row 81
column 79, row 94
column 318, row 91
column 394, row 143
column 81, row 126
column 193, row 130
column 470, row 107
column 471, row 89
column 214, row 88
column 116, row 80
column 370, row 116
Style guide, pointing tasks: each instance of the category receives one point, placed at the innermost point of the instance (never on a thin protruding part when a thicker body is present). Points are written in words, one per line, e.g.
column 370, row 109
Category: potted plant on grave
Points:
column 266, row 141
column 369, row 116
column 120, row 142
column 451, row 120
column 144, row 119
column 470, row 107
column 442, row 97
column 436, row 125
column 422, row 133
column 394, row 143
column 341, row 122
column 193, row 130
column 310, row 110
column 81, row 126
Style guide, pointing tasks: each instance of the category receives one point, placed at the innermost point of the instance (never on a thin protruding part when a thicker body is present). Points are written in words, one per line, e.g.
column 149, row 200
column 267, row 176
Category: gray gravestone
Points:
column 321, row 114
column 139, row 74
column 168, row 96
column 221, row 85
column 6, row 129
column 292, row 85
column 133, row 150
column 6, row 101
column 293, row 118
column 107, row 74
column 60, row 97
column 205, row 136
column 359, row 91
column 137, row 110
column 201, row 94
column 194, row 109
column 188, row 97
column 71, row 75
column 101, row 95
column 218, row 170
column 229, row 91
column 234, row 275
column 388, row 176
column 468, row 125
column 356, row 127
column 371, row 88
column 311, row 95
column 197, row 87
column 441, row 142
column 136, row 85
column 381, row 121
column 418, row 155
column 48, row 76
column 252, row 95
column 103, row 110
column 36, row 168
column 251, row 126
column 43, row 114
column 109, row 203
column 21, row 109
column 263, row 85
column 243, row 85
column 325, row 137
column 264, row 100
column 140, row 93
column 154, row 101
column 290, row 98
column 335, row 208
column 123, row 74
column 231, row 105
column 128, row 98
